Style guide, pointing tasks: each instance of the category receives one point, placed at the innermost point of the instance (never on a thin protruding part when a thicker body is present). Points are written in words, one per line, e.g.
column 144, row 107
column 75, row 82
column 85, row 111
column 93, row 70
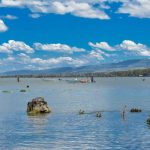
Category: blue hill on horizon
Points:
column 124, row 65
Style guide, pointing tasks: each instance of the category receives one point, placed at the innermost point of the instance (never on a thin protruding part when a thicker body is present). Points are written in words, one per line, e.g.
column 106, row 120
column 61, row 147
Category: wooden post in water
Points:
column 92, row 79
column 18, row 79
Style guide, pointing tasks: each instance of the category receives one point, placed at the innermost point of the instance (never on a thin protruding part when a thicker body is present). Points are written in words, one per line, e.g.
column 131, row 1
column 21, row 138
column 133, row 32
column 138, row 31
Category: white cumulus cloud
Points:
column 3, row 27
column 137, row 48
column 57, row 48
column 9, row 17
column 127, row 46
column 15, row 46
column 136, row 8
column 76, row 8
column 96, row 54
column 81, row 9
column 50, row 62
column 102, row 45
column 35, row 16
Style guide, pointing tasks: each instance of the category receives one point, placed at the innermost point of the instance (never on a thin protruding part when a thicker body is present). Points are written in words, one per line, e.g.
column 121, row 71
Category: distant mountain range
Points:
column 124, row 65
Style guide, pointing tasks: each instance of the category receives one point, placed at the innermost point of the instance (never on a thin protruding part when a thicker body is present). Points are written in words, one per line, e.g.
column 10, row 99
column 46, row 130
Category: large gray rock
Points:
column 37, row 105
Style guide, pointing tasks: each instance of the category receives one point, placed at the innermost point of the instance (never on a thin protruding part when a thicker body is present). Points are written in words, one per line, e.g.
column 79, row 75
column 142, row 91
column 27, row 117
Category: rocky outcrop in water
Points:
column 148, row 120
column 135, row 110
column 37, row 106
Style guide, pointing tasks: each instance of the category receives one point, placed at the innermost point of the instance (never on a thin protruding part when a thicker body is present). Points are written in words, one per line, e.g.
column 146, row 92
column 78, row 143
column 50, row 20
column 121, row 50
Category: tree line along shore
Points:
column 127, row 73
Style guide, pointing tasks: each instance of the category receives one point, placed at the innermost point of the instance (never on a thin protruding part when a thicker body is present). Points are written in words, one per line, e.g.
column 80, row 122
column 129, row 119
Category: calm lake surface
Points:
column 64, row 128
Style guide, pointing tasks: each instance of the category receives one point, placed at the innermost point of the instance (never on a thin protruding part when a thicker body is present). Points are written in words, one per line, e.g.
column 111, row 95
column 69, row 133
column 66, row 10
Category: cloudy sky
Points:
column 41, row 34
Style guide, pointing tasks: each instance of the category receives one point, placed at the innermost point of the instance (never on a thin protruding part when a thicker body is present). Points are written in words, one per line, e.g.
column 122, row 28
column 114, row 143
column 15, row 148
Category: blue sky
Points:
column 45, row 34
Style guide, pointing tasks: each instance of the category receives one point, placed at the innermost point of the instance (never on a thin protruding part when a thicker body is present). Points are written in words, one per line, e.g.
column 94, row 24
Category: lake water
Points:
column 64, row 128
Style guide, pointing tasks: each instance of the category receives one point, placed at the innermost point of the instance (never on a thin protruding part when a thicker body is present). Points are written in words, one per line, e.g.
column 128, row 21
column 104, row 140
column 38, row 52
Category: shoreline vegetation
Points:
column 127, row 73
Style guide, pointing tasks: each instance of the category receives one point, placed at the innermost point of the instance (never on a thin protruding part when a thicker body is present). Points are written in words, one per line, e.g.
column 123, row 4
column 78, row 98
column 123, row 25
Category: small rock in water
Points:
column 98, row 114
column 81, row 112
column 37, row 106
column 148, row 120
column 135, row 110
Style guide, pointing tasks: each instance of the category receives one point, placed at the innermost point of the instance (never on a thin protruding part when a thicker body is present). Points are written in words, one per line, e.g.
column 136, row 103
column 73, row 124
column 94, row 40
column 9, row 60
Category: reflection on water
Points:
column 64, row 128
column 38, row 121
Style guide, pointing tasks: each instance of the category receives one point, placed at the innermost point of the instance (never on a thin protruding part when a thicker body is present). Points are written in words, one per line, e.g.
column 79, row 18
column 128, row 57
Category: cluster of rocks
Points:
column 82, row 112
column 37, row 105
column 135, row 110
column 148, row 120
column 98, row 114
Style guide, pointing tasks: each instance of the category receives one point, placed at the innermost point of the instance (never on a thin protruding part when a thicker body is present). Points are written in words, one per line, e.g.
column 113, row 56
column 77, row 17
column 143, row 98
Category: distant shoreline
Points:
column 128, row 73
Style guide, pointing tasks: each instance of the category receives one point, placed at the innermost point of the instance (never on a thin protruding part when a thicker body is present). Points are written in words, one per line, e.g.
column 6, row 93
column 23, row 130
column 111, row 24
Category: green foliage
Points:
column 5, row 91
column 23, row 90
